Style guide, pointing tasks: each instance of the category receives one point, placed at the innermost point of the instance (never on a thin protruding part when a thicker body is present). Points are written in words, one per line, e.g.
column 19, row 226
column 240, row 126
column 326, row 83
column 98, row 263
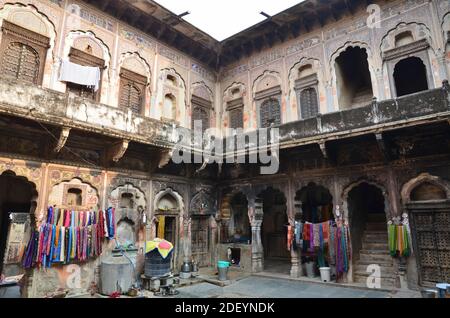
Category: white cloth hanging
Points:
column 78, row 74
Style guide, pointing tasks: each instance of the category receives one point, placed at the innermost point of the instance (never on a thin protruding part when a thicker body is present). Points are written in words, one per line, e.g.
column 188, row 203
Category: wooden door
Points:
column 200, row 240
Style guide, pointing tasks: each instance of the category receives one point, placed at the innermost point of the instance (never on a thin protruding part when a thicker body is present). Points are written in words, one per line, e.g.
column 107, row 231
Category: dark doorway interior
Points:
column 353, row 78
column 366, row 205
column 274, row 231
column 15, row 197
column 410, row 76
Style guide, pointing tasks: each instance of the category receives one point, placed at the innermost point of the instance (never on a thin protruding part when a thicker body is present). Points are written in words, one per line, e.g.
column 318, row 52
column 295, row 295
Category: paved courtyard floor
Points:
column 263, row 287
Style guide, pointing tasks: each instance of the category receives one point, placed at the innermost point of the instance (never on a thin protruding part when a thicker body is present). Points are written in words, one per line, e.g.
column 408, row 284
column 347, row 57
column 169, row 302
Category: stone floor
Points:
column 264, row 287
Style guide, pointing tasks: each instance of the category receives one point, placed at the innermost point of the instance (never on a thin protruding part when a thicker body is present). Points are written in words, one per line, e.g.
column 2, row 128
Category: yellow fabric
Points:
column 161, row 226
column 164, row 249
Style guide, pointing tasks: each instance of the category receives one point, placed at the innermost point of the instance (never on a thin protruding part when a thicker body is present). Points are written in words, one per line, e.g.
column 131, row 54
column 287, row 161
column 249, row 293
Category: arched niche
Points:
column 425, row 187
column 235, row 113
column 267, row 99
column 74, row 194
column 315, row 203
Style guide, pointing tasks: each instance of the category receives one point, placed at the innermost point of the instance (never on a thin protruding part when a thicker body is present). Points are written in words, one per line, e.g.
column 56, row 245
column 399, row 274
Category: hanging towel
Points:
column 161, row 226
column 78, row 74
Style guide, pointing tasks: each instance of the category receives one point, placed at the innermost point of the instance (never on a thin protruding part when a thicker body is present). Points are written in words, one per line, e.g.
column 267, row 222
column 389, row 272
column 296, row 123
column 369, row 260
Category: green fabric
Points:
column 392, row 234
column 407, row 249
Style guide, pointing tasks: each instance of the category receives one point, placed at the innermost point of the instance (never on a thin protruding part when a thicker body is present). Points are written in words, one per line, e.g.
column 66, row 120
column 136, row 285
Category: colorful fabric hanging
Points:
column 399, row 241
column 161, row 226
column 290, row 237
column 68, row 236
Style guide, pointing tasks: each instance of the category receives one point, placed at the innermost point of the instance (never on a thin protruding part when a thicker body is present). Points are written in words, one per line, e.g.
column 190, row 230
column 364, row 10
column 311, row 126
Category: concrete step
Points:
column 376, row 227
column 379, row 246
column 385, row 282
column 374, row 258
column 382, row 262
column 385, row 269
column 375, row 238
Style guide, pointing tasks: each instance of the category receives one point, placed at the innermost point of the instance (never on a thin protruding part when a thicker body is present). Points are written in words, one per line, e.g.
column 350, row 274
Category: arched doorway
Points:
column 17, row 206
column 427, row 199
column 168, row 207
column 366, row 212
column 316, row 203
column 277, row 257
column 407, row 69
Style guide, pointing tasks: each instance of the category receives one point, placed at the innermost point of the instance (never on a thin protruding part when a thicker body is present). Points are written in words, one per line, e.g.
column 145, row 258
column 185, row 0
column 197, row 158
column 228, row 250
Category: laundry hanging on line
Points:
column 79, row 74
column 69, row 236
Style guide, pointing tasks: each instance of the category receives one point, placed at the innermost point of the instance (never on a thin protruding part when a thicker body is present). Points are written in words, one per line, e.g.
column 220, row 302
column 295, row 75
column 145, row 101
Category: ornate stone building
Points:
column 360, row 96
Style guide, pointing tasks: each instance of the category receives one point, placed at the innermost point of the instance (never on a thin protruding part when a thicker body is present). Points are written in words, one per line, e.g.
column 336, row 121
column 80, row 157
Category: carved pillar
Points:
column 381, row 85
column 257, row 247
column 296, row 267
column 442, row 64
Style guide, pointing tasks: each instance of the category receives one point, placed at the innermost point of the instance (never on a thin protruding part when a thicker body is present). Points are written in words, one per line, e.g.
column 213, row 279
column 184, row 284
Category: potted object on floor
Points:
column 325, row 271
column 310, row 266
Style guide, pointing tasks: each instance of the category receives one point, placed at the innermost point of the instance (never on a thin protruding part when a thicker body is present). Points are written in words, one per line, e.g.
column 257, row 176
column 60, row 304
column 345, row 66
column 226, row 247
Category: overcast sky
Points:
column 224, row 18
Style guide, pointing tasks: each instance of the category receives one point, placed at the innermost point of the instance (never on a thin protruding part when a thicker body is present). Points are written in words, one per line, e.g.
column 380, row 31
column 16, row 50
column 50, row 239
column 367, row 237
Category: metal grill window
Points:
column 21, row 62
column 309, row 103
column 199, row 113
column 236, row 118
column 270, row 113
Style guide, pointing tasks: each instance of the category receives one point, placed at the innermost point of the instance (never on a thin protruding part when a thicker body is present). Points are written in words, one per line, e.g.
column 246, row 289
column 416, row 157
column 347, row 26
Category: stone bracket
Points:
column 63, row 136
column 117, row 150
column 324, row 150
column 164, row 158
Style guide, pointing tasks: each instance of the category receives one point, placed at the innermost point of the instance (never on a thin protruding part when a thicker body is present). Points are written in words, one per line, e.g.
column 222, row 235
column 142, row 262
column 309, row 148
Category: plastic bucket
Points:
column 325, row 274
column 310, row 269
column 223, row 264
column 223, row 273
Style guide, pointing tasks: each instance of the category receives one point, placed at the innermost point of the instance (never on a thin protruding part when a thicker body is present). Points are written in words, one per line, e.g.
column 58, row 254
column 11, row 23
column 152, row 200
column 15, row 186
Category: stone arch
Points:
column 29, row 17
column 58, row 194
column 266, row 80
column 133, row 61
column 177, row 89
column 419, row 31
column 322, row 197
column 24, row 178
column 202, row 203
column 423, row 178
column 82, row 39
column 202, row 90
column 175, row 195
column 139, row 202
column 345, row 194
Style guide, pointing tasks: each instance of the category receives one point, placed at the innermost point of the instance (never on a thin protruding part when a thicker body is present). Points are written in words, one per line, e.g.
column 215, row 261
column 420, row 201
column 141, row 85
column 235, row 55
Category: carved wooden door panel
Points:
column 236, row 118
column 200, row 240
column 430, row 226
column 270, row 113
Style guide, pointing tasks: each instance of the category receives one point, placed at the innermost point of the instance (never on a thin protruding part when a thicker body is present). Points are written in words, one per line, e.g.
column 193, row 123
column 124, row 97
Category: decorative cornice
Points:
column 407, row 49
column 271, row 92
column 307, row 81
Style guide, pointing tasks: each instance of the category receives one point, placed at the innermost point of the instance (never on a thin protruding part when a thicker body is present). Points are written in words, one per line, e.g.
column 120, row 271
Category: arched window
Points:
column 353, row 78
column 132, row 91
column 428, row 192
column 270, row 113
column 306, row 87
column 170, row 107
column 200, row 114
column 236, row 118
column 21, row 58
column 410, row 76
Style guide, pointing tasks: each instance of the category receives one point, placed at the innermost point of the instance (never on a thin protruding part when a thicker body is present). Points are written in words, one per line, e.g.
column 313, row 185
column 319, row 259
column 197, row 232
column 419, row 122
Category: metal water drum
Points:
column 116, row 274
column 156, row 265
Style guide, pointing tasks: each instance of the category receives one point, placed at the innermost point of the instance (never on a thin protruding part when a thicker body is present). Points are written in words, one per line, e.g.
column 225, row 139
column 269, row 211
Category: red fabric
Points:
column 290, row 236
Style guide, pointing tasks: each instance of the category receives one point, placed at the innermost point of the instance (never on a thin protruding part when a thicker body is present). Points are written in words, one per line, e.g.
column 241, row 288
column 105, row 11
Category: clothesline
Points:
column 69, row 236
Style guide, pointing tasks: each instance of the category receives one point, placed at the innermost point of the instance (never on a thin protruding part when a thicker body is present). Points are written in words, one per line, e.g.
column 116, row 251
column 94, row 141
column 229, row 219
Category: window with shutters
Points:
column 308, row 100
column 201, row 112
column 235, row 110
column 270, row 113
column 85, row 59
column 269, row 109
column 308, row 103
column 22, row 54
column 132, row 91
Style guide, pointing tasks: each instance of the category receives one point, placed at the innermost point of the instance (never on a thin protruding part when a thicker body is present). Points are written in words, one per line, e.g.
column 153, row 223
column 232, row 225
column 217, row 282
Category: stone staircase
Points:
column 375, row 250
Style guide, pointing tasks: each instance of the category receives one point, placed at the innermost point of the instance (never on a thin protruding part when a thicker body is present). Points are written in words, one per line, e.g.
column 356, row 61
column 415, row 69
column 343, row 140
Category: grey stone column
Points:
column 380, row 82
column 257, row 248
column 442, row 63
